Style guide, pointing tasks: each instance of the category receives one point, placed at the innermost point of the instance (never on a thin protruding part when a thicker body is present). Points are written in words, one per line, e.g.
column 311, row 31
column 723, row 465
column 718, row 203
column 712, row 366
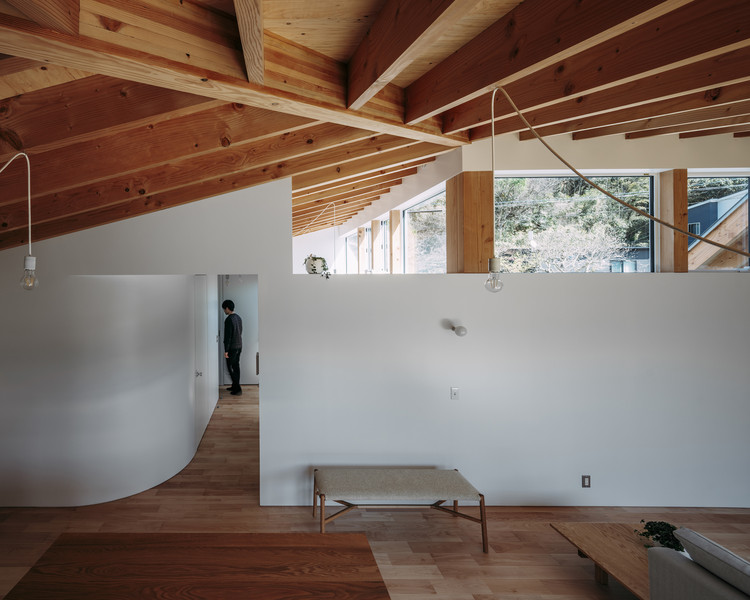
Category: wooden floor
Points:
column 422, row 554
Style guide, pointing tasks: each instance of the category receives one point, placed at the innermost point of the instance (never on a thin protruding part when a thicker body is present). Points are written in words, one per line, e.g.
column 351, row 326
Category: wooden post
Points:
column 673, row 209
column 470, row 221
column 363, row 261
column 378, row 256
column 396, row 233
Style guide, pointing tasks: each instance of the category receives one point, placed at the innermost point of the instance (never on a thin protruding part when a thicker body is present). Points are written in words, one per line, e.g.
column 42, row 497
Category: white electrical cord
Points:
column 28, row 185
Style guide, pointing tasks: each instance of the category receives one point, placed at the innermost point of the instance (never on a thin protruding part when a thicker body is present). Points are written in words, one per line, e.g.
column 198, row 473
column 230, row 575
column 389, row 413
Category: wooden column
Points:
column 378, row 256
column 470, row 222
column 673, row 209
column 396, row 233
column 363, row 258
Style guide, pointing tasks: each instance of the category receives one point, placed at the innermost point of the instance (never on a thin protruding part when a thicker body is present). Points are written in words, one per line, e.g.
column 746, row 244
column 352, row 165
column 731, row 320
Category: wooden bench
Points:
column 393, row 487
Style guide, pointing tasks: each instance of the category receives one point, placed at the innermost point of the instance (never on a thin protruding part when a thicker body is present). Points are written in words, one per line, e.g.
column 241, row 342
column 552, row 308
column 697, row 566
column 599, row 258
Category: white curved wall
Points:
column 97, row 388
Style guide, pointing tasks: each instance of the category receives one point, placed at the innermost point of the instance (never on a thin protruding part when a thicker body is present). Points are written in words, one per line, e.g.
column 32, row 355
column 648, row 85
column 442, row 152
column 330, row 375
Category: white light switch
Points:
column 454, row 393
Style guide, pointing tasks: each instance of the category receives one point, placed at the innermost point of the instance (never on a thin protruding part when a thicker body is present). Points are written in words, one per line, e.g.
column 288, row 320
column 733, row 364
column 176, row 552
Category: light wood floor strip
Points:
column 422, row 554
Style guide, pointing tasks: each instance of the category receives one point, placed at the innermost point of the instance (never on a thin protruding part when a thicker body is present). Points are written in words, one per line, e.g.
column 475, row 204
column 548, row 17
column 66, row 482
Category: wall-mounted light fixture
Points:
column 29, row 280
column 459, row 330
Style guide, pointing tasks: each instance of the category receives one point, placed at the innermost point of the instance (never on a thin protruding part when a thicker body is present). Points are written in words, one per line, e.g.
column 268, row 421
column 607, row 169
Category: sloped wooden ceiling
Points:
column 127, row 107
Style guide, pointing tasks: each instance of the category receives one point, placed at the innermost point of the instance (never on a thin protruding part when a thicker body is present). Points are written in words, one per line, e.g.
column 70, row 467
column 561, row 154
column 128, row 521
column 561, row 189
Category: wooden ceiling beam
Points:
column 63, row 114
column 382, row 188
column 401, row 33
column 670, row 120
column 59, row 15
column 341, row 207
column 297, row 81
column 156, row 179
column 355, row 183
column 680, row 105
column 201, row 189
column 374, row 164
column 715, row 131
column 724, row 70
column 194, row 135
column 691, row 34
column 696, row 127
column 250, row 22
column 334, row 194
column 21, row 76
column 533, row 36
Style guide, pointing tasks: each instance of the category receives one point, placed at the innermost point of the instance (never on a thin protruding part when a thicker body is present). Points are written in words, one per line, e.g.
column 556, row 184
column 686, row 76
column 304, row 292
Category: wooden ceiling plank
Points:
column 59, row 15
column 695, row 126
column 680, row 105
column 739, row 134
column 535, row 35
column 250, row 22
column 21, row 38
column 402, row 31
column 692, row 34
column 727, row 69
column 61, row 115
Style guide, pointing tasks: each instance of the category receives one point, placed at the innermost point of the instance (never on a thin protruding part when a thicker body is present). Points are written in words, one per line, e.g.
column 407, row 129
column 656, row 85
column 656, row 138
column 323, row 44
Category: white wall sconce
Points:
column 493, row 283
column 29, row 280
column 459, row 330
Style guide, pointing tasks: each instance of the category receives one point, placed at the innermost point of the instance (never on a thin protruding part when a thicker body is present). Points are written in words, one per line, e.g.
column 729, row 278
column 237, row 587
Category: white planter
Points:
column 314, row 266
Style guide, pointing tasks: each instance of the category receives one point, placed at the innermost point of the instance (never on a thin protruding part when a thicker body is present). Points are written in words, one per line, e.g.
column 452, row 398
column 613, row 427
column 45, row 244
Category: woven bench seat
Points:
column 355, row 487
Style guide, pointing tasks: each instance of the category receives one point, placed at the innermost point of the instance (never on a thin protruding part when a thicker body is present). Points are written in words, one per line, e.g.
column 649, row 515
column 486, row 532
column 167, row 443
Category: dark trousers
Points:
column 233, row 365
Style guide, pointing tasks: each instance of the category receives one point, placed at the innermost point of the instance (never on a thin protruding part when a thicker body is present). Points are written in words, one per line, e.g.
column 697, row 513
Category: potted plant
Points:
column 317, row 265
column 661, row 533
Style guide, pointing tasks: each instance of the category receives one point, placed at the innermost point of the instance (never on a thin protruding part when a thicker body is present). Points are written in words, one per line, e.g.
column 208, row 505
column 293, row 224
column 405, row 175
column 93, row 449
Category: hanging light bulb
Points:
column 493, row 283
column 29, row 281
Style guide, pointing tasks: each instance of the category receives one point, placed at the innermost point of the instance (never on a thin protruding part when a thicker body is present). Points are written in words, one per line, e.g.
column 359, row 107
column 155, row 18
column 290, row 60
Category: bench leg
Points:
column 483, row 518
column 322, row 512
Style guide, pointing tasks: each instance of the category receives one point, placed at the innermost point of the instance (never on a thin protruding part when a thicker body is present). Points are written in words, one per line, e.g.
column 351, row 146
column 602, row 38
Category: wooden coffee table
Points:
column 615, row 550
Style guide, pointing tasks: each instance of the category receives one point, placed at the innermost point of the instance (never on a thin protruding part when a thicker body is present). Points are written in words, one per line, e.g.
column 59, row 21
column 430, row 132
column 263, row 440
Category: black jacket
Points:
column 232, row 333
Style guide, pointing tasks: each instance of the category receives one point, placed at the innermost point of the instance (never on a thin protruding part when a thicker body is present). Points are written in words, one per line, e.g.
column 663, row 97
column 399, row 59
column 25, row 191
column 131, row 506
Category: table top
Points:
column 616, row 548
column 204, row 565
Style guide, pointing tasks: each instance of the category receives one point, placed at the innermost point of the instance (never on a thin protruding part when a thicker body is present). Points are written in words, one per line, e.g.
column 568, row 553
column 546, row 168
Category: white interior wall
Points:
column 640, row 380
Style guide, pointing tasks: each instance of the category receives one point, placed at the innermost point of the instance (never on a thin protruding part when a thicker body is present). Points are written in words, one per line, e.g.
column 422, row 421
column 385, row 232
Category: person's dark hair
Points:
column 228, row 304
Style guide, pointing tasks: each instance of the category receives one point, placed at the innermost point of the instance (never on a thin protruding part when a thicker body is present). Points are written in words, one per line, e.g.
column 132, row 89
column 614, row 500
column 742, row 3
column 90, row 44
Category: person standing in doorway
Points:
column 232, row 345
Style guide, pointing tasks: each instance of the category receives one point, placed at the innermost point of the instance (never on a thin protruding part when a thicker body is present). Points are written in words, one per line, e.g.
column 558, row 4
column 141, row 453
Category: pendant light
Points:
column 29, row 280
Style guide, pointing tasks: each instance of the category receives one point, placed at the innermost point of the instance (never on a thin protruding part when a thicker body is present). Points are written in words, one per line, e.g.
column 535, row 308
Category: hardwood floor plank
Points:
column 421, row 554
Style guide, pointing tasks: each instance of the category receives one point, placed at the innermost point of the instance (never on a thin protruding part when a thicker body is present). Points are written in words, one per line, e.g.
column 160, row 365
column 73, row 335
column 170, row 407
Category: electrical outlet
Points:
column 454, row 393
column 586, row 481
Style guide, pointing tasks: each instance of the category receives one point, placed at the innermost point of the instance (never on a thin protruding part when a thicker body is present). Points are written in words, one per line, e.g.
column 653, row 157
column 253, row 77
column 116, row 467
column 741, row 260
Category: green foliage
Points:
column 662, row 533
column 563, row 224
column 701, row 189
